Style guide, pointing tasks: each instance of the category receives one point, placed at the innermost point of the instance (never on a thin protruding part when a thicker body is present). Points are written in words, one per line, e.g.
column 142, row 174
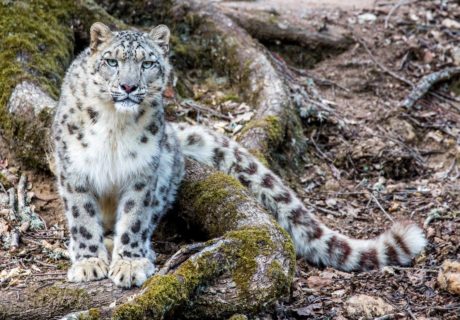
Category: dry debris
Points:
column 449, row 276
column 367, row 307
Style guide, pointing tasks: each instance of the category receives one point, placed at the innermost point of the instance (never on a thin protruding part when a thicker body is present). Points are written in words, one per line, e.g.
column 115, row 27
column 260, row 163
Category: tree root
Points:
column 426, row 83
column 248, row 264
column 266, row 26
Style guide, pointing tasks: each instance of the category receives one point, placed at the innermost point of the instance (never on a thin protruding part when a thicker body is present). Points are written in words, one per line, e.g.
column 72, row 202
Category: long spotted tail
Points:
column 313, row 240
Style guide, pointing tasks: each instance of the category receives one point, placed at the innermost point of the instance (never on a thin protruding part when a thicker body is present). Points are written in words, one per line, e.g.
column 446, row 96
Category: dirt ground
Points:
column 368, row 162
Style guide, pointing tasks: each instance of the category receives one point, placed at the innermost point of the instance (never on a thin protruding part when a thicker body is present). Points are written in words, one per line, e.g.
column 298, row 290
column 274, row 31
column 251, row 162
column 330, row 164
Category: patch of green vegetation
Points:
column 215, row 201
column 4, row 181
column 163, row 292
column 273, row 128
column 36, row 44
column 253, row 242
column 63, row 299
column 93, row 314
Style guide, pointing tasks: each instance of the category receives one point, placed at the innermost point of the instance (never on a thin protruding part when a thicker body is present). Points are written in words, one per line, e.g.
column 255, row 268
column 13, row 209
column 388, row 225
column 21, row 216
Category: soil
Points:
column 368, row 162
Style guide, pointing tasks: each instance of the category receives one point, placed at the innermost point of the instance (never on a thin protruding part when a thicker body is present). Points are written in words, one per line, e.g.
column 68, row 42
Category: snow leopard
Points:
column 119, row 165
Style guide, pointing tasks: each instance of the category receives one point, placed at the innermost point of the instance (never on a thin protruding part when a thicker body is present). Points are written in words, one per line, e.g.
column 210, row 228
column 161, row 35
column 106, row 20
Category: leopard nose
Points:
column 127, row 88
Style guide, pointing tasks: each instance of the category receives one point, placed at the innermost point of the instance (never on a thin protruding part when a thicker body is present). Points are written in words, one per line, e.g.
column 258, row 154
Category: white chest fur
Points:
column 114, row 152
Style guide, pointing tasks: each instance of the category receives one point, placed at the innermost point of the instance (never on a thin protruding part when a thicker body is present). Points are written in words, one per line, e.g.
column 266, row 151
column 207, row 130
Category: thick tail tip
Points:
column 409, row 239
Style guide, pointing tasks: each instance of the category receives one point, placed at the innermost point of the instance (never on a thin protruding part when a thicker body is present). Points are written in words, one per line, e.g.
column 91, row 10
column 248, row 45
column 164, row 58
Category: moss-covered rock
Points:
column 214, row 200
column 36, row 47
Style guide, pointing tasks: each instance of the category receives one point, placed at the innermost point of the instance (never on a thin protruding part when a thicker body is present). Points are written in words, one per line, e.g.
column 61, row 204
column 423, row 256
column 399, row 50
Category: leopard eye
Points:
column 148, row 64
column 112, row 62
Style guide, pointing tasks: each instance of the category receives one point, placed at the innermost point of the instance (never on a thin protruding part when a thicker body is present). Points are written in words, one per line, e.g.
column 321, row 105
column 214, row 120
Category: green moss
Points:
column 163, row 292
column 230, row 97
column 253, row 242
column 273, row 128
column 4, row 181
column 64, row 299
column 93, row 314
column 36, row 44
column 260, row 156
column 215, row 200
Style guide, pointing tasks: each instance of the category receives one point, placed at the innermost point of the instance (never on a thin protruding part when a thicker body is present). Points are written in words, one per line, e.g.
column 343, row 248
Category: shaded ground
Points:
column 369, row 162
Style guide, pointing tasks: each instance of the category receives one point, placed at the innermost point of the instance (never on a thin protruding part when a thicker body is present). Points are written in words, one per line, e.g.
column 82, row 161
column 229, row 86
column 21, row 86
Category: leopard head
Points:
column 131, row 67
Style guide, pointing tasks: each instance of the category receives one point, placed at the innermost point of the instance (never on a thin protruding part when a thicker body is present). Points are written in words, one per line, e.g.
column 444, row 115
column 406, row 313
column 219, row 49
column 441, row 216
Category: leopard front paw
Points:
column 128, row 272
column 88, row 269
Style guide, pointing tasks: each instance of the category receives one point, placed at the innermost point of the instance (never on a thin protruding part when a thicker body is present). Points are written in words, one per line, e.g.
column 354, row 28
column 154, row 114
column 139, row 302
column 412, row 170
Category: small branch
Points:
column 22, row 193
column 426, row 83
column 201, row 108
column 381, row 208
column 393, row 10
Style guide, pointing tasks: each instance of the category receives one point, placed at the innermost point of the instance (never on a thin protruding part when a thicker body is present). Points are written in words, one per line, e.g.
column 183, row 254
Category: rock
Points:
column 367, row 307
column 366, row 17
column 28, row 100
column 338, row 293
column 449, row 276
column 450, row 24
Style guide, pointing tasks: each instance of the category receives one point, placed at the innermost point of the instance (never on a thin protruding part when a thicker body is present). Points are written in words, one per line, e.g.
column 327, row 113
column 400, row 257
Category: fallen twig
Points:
column 201, row 108
column 381, row 208
column 426, row 83
column 393, row 10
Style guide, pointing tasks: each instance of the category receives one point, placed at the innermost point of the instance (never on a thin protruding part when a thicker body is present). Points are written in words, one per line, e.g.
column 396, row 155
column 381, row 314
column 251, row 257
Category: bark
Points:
column 248, row 265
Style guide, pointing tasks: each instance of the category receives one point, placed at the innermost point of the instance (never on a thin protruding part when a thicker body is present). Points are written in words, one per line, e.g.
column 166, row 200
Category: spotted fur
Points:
column 119, row 165
column 118, row 162
column 313, row 240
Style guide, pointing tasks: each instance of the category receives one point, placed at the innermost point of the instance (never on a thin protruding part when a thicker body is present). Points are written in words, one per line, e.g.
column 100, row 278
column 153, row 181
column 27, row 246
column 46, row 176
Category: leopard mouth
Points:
column 127, row 105
column 127, row 100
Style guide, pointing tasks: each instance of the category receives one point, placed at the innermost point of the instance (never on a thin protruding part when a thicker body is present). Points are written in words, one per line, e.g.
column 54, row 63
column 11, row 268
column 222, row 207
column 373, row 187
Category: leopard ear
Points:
column 161, row 34
column 100, row 34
